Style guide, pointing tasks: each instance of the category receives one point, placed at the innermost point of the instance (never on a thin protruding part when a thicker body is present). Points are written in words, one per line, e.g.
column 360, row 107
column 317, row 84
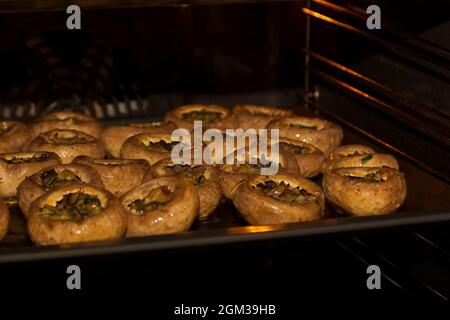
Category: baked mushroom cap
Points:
column 323, row 134
column 52, row 177
column 148, row 146
column 160, row 206
column 346, row 151
column 349, row 150
column 113, row 137
column 117, row 175
column 16, row 167
column 365, row 191
column 76, row 213
column 258, row 117
column 13, row 135
column 66, row 120
column 212, row 116
column 67, row 144
column 232, row 173
column 203, row 177
column 309, row 159
column 365, row 160
column 263, row 200
column 4, row 220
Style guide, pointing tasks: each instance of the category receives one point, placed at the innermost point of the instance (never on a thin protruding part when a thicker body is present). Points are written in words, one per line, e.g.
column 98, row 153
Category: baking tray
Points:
column 428, row 201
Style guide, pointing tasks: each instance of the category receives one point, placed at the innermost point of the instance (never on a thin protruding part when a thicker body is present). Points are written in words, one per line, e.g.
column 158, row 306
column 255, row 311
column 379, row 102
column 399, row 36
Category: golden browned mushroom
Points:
column 67, row 144
column 51, row 177
column 354, row 156
column 263, row 200
column 324, row 135
column 160, row 206
column 76, row 213
column 4, row 220
column 118, row 175
column 212, row 116
column 66, row 120
column 232, row 173
column 148, row 146
column 203, row 177
column 309, row 159
column 365, row 191
column 258, row 117
column 350, row 150
column 16, row 167
column 113, row 137
column 13, row 135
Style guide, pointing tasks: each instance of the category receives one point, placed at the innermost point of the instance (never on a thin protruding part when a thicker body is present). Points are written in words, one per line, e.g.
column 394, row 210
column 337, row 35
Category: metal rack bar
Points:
column 379, row 141
column 376, row 85
column 424, row 60
column 356, row 12
column 400, row 115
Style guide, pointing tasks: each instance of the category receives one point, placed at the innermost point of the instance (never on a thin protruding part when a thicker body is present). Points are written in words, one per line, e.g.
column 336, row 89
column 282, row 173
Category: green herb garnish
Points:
column 366, row 159
column 155, row 199
column 74, row 207
column 203, row 115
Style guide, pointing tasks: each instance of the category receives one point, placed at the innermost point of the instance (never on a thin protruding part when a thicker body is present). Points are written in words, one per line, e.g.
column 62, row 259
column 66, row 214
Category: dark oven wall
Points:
column 136, row 53
column 393, row 82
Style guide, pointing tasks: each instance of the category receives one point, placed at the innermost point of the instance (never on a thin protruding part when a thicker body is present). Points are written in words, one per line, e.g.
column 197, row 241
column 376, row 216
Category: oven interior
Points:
column 389, row 88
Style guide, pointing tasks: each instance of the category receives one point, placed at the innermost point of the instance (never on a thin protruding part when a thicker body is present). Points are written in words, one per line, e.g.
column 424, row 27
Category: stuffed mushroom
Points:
column 67, row 144
column 51, row 177
column 324, row 135
column 4, row 220
column 365, row 191
column 76, row 213
column 354, row 157
column 16, row 167
column 264, row 200
column 232, row 173
column 203, row 177
column 118, row 175
column 13, row 135
column 258, row 117
column 113, row 137
column 160, row 206
column 309, row 159
column 211, row 116
column 66, row 120
column 346, row 151
column 150, row 147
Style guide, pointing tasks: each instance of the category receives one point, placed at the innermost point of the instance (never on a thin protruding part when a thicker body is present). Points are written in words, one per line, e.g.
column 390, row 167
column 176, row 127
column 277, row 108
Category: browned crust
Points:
column 29, row 190
column 11, row 175
column 113, row 137
column 56, row 120
column 309, row 164
column 118, row 175
column 15, row 137
column 134, row 147
column 258, row 209
column 227, row 121
column 4, row 220
column 257, row 117
column 176, row 216
column 362, row 198
column 326, row 138
column 209, row 192
column 110, row 224
column 67, row 152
